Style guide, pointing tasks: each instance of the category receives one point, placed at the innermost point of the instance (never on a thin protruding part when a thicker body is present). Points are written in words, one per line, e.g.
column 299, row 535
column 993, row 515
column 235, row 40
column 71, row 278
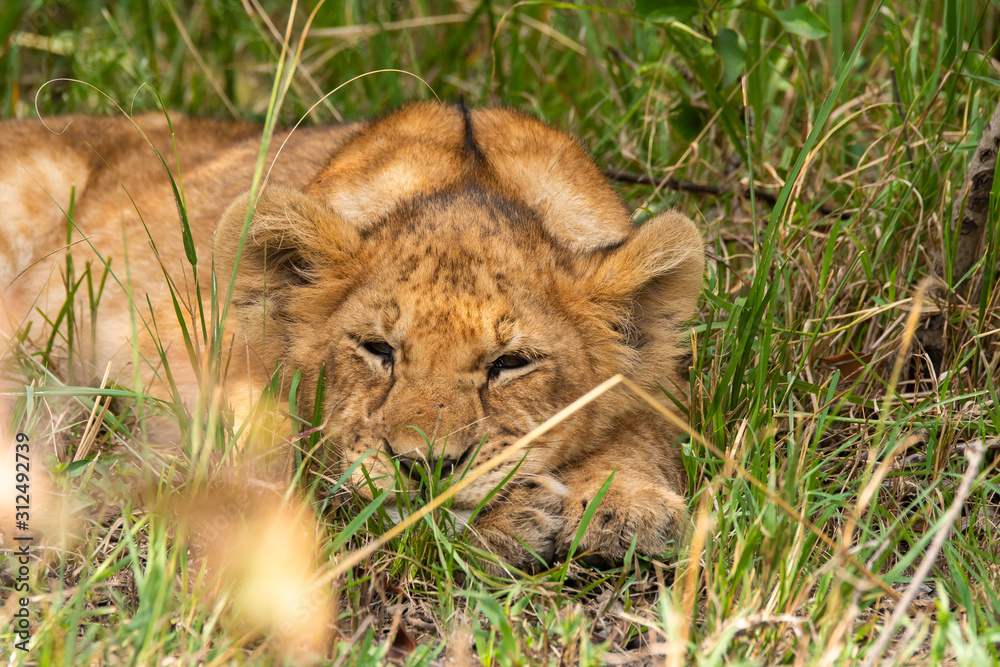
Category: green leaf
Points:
column 81, row 502
column 667, row 10
column 76, row 468
column 804, row 22
column 732, row 49
column 688, row 120
column 762, row 8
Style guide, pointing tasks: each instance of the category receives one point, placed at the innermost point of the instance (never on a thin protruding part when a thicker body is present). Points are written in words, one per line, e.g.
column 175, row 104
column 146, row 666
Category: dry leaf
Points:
column 850, row 364
column 402, row 645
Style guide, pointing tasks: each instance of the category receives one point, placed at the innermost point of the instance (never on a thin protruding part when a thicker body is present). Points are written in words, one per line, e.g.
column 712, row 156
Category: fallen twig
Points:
column 671, row 183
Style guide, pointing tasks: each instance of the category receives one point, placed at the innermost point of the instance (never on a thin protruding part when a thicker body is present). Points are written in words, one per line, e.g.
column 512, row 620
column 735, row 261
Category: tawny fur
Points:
column 451, row 237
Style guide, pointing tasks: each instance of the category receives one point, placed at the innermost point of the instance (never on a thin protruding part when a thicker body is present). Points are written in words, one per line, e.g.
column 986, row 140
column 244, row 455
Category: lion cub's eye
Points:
column 380, row 348
column 507, row 362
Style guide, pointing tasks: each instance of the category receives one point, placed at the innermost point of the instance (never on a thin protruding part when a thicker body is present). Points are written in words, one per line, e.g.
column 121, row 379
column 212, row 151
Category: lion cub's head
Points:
column 457, row 277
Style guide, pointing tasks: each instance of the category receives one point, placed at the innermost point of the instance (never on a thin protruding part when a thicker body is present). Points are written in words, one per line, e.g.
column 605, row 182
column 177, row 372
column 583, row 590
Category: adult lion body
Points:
column 465, row 273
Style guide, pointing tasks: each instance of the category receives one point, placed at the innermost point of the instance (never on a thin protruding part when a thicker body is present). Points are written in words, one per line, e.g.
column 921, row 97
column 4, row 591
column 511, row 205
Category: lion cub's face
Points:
column 456, row 278
column 453, row 344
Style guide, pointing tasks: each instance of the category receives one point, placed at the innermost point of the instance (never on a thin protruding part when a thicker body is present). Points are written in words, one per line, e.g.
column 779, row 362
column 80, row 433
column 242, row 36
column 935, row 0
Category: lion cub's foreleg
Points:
column 521, row 525
column 540, row 517
column 641, row 504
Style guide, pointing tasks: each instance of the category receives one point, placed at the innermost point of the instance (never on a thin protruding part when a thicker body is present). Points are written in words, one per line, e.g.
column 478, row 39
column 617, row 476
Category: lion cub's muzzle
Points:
column 421, row 466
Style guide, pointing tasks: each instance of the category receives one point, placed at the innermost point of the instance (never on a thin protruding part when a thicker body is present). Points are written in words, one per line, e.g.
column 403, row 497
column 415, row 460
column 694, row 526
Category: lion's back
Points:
column 112, row 180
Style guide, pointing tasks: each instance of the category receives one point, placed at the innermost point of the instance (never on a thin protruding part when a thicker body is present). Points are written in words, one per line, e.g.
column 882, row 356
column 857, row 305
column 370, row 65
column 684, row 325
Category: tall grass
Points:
column 830, row 446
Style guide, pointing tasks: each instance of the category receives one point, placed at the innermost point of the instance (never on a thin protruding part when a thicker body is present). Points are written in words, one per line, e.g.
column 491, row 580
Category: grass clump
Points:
column 820, row 147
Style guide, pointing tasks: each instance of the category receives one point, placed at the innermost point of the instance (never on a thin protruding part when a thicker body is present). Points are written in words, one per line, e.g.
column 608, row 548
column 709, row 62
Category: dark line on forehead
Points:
column 471, row 147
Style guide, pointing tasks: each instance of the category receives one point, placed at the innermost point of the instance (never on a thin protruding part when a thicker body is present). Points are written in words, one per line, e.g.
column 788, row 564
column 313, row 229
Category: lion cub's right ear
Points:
column 293, row 244
column 650, row 284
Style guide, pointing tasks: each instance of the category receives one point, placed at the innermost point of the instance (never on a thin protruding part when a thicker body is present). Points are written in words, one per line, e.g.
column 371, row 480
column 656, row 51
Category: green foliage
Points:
column 802, row 21
column 833, row 138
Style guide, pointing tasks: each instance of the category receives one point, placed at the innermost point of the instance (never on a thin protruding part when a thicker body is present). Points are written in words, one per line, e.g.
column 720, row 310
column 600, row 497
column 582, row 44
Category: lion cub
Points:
column 456, row 276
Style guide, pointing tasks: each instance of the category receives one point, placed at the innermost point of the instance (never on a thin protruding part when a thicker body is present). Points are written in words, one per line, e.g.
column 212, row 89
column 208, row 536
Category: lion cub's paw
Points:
column 647, row 510
column 521, row 525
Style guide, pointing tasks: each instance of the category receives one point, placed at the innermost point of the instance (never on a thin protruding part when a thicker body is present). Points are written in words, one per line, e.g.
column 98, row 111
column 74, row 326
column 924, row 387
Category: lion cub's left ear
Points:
column 293, row 243
column 653, row 278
